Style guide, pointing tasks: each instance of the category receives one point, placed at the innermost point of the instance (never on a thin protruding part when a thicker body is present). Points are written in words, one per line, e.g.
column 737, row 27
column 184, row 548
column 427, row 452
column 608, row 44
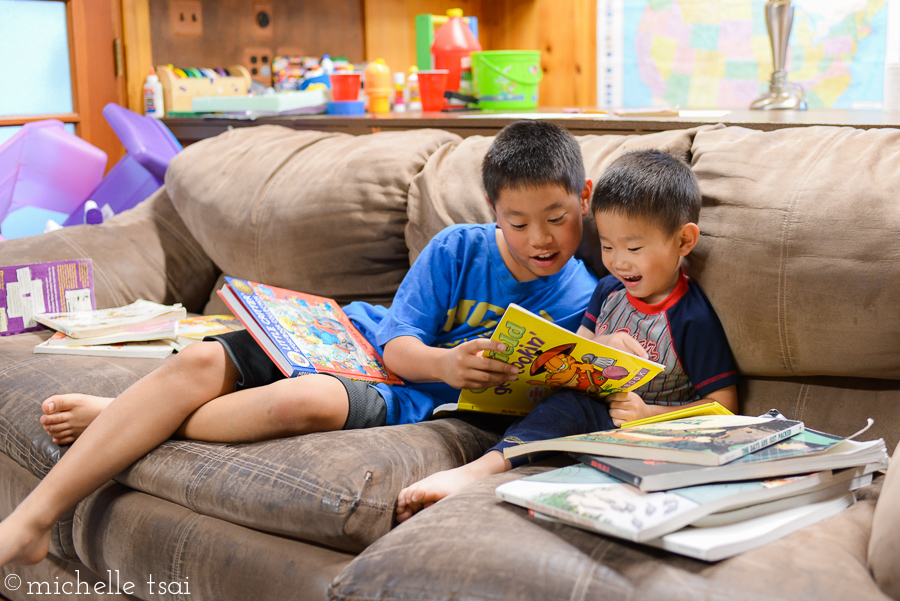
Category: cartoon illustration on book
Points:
column 587, row 376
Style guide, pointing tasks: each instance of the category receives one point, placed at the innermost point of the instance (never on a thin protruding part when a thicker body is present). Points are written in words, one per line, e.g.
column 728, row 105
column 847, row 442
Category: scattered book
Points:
column 550, row 357
column 712, row 408
column 195, row 329
column 156, row 331
column 807, row 451
column 27, row 290
column 582, row 496
column 304, row 333
column 104, row 322
column 701, row 440
column 153, row 349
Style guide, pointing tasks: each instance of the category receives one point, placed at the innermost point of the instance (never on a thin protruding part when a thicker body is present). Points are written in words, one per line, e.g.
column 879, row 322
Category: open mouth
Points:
column 631, row 280
column 545, row 259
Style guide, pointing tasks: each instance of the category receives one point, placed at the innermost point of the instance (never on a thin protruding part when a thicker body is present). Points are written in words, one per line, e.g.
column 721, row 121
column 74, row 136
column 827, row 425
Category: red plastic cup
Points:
column 345, row 85
column 431, row 87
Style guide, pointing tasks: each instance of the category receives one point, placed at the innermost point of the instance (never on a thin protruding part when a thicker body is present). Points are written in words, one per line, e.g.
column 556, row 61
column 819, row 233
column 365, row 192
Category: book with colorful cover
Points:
column 26, row 290
column 196, row 328
column 550, row 357
column 154, row 331
column 116, row 320
column 806, row 451
column 582, row 496
column 701, row 440
column 304, row 333
column 149, row 349
column 712, row 408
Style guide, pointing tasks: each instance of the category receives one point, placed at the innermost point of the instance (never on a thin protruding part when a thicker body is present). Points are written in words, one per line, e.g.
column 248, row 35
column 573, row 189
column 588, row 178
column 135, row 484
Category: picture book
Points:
column 195, row 329
column 304, row 333
column 701, row 440
column 717, row 543
column 712, row 408
column 550, row 357
column 26, row 290
column 103, row 322
column 155, row 331
column 807, row 451
column 152, row 349
column 582, row 496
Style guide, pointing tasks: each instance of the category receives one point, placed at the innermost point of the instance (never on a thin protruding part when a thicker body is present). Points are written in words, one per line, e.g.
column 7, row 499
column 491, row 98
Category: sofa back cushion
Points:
column 449, row 188
column 799, row 250
column 318, row 212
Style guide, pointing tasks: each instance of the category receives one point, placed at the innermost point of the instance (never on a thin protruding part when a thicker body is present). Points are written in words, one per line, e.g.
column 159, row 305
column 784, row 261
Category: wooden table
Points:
column 191, row 129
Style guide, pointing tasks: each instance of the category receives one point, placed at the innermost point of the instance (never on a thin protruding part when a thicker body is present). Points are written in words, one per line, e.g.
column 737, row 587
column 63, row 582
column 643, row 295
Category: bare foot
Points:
column 67, row 415
column 21, row 542
column 430, row 490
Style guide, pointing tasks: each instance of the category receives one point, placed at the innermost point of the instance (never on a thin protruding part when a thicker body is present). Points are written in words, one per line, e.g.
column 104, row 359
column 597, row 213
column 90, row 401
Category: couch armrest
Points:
column 146, row 252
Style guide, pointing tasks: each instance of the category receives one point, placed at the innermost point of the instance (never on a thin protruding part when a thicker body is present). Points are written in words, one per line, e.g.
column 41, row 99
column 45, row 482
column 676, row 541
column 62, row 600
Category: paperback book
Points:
column 304, row 333
column 195, row 329
column 807, row 451
column 27, row 290
column 550, row 357
column 156, row 331
column 116, row 320
column 700, row 440
column 152, row 349
column 584, row 497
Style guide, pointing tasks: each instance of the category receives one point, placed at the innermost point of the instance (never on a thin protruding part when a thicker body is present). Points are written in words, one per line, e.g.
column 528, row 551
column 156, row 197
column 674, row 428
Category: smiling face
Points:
column 642, row 256
column 539, row 228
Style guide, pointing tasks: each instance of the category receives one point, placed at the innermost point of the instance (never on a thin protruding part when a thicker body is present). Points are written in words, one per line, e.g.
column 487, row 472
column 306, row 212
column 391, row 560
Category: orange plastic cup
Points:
column 432, row 84
column 345, row 85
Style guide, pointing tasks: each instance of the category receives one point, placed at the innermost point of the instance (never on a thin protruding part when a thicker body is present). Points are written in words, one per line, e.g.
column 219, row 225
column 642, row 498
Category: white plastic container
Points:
column 153, row 96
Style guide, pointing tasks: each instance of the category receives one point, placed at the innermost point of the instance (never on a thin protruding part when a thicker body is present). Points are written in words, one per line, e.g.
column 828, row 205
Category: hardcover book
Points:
column 550, row 357
column 701, row 440
column 304, row 333
column 807, row 451
column 116, row 320
column 26, row 290
column 582, row 496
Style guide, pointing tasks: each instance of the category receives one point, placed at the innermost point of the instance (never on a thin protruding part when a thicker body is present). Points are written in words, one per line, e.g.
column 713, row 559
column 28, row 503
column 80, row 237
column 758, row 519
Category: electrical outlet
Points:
column 186, row 17
column 262, row 20
column 259, row 62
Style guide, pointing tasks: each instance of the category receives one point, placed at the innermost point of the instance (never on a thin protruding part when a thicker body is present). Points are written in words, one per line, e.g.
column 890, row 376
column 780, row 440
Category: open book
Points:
column 304, row 333
column 550, row 357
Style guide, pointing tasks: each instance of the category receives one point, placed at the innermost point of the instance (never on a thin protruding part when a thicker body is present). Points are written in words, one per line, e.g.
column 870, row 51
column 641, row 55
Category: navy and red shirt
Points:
column 682, row 332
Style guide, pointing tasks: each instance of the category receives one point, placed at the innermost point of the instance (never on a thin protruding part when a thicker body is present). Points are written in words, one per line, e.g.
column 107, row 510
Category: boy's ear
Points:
column 688, row 238
column 490, row 204
column 586, row 197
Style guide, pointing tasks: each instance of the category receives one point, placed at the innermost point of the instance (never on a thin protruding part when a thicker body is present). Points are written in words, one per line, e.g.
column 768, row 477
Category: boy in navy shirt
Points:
column 646, row 205
column 433, row 336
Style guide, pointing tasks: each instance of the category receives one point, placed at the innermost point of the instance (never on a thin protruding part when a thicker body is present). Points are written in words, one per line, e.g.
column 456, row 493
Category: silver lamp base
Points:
column 782, row 95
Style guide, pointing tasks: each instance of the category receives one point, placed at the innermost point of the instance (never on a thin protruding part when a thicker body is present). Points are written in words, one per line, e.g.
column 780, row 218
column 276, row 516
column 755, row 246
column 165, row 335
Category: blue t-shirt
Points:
column 457, row 290
column 682, row 332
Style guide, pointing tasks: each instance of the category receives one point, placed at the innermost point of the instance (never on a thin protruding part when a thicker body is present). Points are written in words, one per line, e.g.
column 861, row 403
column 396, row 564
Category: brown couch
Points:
column 800, row 254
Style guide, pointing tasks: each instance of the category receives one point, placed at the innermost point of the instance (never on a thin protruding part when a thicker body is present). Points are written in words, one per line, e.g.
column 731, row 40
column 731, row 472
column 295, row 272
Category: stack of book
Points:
column 141, row 329
column 707, row 487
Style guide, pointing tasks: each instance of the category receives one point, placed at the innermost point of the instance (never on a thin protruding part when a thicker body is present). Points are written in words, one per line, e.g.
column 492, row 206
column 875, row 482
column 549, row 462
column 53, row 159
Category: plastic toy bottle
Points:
column 414, row 97
column 153, row 96
column 452, row 49
column 327, row 64
column 377, row 86
column 399, row 92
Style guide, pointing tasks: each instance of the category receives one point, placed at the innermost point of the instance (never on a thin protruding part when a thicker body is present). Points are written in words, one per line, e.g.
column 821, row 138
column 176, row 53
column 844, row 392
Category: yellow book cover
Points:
column 712, row 408
column 550, row 357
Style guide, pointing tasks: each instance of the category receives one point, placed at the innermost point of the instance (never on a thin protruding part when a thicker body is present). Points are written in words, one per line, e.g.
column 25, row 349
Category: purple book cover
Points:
column 43, row 288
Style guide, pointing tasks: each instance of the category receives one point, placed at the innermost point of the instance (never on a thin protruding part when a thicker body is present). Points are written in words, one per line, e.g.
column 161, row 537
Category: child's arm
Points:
column 628, row 406
column 463, row 366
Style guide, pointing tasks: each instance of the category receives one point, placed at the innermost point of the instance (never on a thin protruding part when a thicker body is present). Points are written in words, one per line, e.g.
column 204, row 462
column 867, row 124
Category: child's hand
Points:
column 465, row 366
column 627, row 407
column 623, row 342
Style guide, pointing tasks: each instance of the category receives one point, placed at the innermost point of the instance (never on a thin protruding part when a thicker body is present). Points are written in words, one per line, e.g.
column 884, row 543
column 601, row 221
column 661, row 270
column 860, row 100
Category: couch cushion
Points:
column 318, row 212
column 473, row 546
column 449, row 188
column 884, row 546
column 799, row 251
column 335, row 488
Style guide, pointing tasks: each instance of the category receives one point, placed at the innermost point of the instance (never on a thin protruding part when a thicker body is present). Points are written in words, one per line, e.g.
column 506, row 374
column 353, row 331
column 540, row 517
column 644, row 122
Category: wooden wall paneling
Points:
column 138, row 50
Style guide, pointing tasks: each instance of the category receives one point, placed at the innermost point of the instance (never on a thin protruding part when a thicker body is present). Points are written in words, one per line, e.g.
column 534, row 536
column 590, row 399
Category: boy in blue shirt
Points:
column 646, row 206
column 433, row 336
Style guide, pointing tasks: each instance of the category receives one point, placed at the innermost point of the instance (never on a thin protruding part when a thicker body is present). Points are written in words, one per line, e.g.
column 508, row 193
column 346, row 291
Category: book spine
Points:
column 761, row 443
column 613, row 471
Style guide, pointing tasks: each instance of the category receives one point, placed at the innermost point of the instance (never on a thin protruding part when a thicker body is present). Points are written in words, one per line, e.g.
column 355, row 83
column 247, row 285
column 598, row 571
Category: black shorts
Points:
column 367, row 406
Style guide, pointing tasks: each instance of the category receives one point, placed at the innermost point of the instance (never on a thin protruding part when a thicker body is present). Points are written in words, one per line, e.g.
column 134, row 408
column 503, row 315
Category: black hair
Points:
column 653, row 185
column 532, row 153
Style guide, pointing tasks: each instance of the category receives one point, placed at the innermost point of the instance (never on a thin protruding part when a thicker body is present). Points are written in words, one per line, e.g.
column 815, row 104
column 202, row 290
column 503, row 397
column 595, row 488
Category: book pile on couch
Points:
column 707, row 487
column 141, row 329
